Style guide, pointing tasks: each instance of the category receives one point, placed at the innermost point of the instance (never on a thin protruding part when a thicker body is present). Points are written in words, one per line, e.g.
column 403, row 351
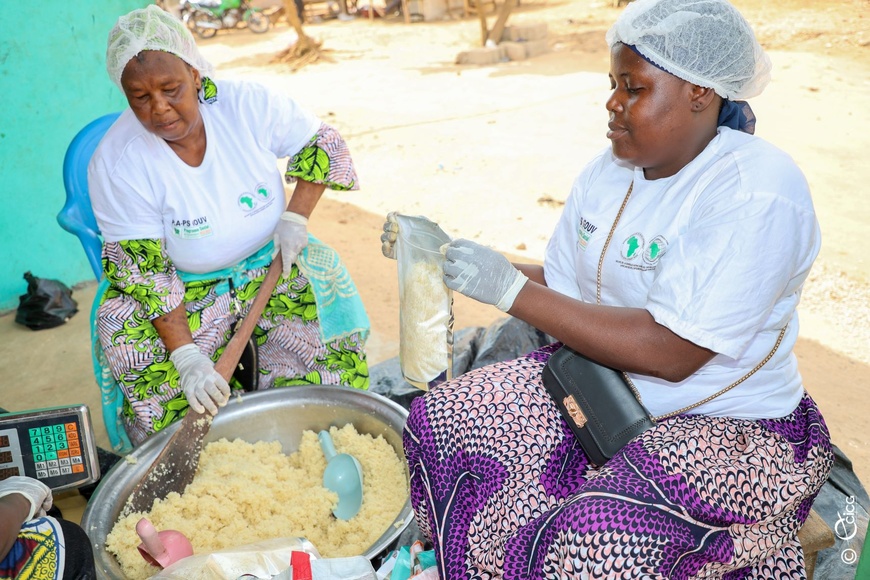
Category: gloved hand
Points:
column 36, row 492
column 388, row 238
column 203, row 386
column 291, row 235
column 481, row 273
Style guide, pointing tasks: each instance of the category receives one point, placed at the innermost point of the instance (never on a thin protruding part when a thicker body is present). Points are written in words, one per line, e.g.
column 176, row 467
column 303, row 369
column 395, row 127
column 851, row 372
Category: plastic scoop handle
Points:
column 151, row 541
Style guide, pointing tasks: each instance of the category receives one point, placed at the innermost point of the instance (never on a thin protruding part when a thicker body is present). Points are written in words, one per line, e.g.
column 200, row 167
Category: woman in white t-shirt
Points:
column 187, row 194
column 679, row 258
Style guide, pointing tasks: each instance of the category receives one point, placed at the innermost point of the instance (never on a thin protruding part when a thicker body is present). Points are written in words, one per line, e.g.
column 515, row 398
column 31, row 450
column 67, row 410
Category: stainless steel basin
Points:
column 274, row 415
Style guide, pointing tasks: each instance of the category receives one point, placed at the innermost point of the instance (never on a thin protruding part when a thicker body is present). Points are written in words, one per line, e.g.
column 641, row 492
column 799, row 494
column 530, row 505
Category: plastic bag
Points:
column 275, row 559
column 266, row 559
column 48, row 303
column 409, row 563
column 425, row 303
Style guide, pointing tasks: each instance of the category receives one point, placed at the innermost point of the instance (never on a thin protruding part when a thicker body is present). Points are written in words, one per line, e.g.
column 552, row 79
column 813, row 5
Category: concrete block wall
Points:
column 525, row 32
column 518, row 42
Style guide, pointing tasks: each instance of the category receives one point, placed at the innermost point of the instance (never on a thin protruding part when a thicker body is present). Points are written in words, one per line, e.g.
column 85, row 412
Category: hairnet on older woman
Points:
column 151, row 28
column 705, row 42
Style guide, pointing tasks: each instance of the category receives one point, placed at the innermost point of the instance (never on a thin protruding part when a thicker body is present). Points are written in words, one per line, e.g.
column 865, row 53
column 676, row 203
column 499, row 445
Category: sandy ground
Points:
column 490, row 153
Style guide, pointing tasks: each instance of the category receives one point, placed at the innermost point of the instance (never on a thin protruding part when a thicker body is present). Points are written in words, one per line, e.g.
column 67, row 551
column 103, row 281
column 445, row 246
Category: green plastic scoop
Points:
column 343, row 475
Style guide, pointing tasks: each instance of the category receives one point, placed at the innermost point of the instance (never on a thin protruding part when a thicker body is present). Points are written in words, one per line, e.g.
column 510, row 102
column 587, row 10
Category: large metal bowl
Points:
column 273, row 415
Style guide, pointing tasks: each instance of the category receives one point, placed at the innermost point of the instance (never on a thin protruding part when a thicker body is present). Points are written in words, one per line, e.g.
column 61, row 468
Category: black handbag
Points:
column 596, row 403
column 601, row 405
column 247, row 371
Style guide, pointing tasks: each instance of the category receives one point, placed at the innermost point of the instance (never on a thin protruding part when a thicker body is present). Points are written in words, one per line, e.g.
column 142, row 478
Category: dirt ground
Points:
column 490, row 152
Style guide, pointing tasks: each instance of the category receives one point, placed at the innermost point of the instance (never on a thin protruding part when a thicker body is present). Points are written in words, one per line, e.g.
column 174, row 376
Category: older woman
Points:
column 679, row 258
column 191, row 205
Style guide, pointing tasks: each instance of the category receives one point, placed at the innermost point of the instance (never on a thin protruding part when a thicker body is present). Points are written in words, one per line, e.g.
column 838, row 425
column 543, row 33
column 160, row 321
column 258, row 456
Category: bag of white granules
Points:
column 425, row 303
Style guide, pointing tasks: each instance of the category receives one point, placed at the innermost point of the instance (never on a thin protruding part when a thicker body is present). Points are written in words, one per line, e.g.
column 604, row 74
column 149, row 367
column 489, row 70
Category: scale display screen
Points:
column 55, row 446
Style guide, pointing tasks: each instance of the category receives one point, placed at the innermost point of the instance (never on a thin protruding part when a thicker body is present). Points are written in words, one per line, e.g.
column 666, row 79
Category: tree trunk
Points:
column 293, row 18
column 500, row 23
column 305, row 50
column 484, row 27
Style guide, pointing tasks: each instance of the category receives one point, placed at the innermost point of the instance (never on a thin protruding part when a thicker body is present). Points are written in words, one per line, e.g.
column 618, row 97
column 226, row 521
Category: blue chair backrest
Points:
column 77, row 217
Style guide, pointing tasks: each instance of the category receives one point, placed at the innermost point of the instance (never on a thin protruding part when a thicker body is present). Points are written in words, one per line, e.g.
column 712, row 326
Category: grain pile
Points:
column 245, row 493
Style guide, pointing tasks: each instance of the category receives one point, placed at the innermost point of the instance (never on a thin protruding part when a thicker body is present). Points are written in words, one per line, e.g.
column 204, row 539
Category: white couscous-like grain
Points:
column 424, row 323
column 248, row 492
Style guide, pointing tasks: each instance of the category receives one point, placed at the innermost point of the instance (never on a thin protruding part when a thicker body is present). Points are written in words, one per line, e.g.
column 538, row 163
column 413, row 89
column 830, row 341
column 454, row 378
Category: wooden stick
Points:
column 174, row 468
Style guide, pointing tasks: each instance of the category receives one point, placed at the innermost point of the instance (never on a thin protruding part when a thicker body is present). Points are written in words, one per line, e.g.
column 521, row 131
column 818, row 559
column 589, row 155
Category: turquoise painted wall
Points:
column 53, row 81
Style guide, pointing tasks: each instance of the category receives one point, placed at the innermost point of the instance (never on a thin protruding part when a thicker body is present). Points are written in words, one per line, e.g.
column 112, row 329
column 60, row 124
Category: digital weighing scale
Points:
column 54, row 445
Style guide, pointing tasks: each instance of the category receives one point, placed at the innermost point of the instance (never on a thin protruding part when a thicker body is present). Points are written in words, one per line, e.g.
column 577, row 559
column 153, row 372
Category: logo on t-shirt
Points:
column 654, row 249
column 191, row 229
column 584, row 232
column 635, row 246
column 254, row 203
column 632, row 245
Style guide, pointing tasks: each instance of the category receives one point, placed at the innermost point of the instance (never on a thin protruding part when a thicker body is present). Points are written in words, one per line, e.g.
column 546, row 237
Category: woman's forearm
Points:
column 305, row 197
column 173, row 328
column 628, row 339
column 13, row 511
column 535, row 272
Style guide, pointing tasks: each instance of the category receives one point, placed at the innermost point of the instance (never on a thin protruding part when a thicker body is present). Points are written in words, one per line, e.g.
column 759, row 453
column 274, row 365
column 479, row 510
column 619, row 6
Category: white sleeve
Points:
column 278, row 121
column 123, row 210
column 560, row 257
column 739, row 264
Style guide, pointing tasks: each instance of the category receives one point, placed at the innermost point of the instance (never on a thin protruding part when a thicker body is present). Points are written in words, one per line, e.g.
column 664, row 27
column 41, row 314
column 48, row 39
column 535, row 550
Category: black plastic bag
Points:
column 48, row 303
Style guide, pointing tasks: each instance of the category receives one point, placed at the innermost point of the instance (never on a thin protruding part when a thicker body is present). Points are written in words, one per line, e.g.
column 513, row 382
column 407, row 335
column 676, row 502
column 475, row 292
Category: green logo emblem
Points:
column 655, row 249
column 247, row 202
column 631, row 246
column 261, row 191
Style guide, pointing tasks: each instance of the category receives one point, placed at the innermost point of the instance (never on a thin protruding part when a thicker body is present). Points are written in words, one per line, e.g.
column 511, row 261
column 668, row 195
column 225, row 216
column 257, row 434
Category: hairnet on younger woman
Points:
column 151, row 28
column 705, row 42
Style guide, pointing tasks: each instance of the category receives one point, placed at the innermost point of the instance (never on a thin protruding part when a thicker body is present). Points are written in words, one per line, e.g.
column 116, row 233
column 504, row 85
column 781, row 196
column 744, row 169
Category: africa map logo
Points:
column 249, row 201
column 635, row 245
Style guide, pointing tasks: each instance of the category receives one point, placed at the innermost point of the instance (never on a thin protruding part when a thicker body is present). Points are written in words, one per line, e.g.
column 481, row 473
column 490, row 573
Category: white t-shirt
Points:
column 717, row 253
column 212, row 216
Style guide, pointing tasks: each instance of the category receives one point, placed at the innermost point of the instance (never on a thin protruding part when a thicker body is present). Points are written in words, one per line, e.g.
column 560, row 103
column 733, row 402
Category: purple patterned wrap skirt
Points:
column 500, row 486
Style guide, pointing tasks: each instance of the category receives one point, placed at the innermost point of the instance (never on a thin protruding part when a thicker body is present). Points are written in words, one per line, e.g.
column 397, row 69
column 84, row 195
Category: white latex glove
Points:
column 481, row 273
column 291, row 235
column 36, row 492
column 388, row 238
column 203, row 386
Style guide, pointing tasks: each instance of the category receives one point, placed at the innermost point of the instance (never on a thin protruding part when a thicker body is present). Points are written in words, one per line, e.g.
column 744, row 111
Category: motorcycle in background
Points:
column 206, row 17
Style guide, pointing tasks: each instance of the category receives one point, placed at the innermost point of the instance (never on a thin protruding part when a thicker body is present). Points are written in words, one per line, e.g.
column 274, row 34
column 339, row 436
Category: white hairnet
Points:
column 151, row 28
column 705, row 42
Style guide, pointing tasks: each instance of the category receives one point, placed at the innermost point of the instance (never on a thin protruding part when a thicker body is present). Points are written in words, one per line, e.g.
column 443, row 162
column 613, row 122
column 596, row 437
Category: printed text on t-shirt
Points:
column 585, row 232
column 191, row 229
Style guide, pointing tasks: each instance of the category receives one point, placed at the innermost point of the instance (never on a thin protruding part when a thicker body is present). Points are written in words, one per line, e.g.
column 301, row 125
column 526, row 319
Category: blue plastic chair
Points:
column 77, row 217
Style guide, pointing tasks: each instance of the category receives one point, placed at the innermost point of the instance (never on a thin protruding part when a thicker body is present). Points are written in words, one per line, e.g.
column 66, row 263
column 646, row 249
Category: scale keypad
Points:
column 54, row 445
column 56, row 450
